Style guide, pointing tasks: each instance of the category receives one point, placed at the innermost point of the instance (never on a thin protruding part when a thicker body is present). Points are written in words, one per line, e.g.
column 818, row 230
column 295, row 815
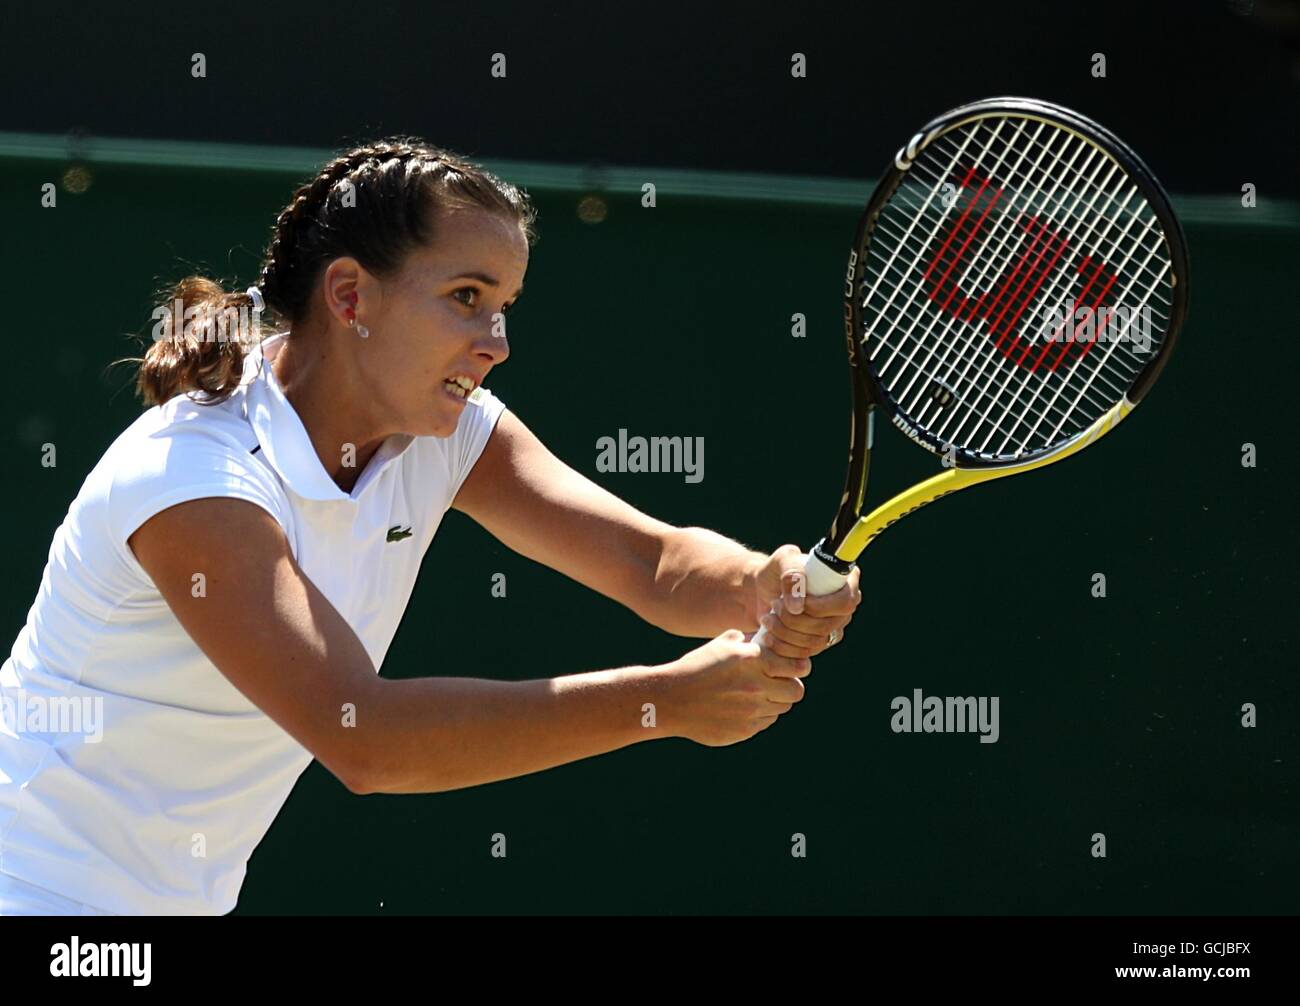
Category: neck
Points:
column 323, row 389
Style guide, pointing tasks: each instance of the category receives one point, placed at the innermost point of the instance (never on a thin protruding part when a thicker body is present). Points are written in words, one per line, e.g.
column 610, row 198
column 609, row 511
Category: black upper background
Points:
column 1208, row 91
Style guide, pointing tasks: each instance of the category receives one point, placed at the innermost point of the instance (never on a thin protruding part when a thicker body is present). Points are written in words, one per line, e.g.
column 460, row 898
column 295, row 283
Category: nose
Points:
column 495, row 348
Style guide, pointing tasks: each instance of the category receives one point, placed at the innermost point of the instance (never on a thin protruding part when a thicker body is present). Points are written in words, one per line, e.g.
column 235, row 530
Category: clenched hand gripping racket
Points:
column 1015, row 287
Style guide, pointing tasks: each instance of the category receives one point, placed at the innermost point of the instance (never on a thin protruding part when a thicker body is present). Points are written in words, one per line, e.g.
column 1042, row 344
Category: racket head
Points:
column 995, row 223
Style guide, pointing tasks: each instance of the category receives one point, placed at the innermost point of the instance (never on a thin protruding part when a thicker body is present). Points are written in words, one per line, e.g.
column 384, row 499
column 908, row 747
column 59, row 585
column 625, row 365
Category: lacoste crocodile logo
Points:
column 397, row 532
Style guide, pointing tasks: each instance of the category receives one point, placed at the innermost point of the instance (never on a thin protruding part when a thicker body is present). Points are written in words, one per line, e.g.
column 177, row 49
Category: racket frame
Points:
column 851, row 532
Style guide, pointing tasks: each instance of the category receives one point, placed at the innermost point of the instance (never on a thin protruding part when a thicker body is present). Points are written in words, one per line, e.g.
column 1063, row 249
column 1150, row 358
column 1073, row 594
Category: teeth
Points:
column 455, row 389
column 464, row 382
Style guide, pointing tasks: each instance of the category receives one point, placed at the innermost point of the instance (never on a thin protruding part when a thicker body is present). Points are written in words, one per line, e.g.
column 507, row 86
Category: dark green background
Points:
column 1119, row 715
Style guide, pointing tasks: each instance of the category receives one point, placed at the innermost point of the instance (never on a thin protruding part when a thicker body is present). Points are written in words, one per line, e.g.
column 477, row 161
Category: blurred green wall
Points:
column 1118, row 715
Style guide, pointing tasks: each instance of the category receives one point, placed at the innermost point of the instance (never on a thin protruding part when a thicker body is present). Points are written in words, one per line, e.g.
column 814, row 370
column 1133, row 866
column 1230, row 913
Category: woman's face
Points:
column 436, row 329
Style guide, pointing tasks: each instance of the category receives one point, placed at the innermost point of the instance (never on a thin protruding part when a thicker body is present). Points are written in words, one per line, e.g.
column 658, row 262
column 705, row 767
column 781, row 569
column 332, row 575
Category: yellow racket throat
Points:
column 870, row 525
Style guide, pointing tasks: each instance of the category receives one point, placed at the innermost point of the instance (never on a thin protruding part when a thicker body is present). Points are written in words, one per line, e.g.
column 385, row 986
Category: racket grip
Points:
column 820, row 580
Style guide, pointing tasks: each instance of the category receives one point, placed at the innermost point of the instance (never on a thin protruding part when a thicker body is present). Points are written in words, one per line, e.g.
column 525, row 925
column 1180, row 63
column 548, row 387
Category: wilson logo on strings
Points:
column 1043, row 250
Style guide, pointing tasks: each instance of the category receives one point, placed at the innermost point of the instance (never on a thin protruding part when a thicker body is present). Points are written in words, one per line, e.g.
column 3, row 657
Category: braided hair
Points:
column 375, row 203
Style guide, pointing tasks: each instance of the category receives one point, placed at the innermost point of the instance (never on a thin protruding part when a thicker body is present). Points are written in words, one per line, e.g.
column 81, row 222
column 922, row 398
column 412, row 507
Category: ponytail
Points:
column 201, row 335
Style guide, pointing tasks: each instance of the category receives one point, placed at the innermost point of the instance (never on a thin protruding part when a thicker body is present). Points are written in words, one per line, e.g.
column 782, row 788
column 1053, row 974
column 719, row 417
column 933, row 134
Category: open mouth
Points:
column 459, row 387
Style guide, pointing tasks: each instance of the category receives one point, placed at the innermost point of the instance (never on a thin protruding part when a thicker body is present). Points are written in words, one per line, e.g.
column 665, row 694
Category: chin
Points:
column 431, row 429
column 442, row 425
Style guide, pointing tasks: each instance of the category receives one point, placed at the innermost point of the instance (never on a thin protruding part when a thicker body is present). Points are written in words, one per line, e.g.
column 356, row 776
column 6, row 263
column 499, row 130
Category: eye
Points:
column 472, row 293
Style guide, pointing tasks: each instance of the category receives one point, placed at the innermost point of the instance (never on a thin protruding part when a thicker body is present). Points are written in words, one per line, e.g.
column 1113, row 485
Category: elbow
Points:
column 358, row 784
column 354, row 780
column 356, row 756
column 365, row 777
column 357, row 773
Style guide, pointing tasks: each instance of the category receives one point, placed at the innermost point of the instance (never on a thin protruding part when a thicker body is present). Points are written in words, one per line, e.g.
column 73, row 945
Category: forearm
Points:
column 429, row 735
column 704, row 584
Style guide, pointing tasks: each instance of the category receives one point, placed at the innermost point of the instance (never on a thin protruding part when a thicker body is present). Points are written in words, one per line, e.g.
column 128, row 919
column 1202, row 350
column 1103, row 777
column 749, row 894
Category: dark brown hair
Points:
column 375, row 203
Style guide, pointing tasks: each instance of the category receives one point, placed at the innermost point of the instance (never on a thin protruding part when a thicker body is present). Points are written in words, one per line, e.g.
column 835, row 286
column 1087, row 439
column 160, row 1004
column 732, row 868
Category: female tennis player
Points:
column 222, row 592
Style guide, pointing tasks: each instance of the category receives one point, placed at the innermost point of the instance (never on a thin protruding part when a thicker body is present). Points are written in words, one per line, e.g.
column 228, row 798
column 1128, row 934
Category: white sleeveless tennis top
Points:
column 133, row 776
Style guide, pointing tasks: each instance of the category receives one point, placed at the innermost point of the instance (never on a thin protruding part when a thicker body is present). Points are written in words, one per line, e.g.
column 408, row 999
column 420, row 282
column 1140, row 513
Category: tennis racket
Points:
column 1016, row 285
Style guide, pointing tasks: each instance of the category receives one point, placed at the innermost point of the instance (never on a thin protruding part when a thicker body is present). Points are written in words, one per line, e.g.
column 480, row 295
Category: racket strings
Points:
column 918, row 220
column 1039, row 203
column 962, row 350
column 1036, row 203
column 965, row 347
column 1059, row 245
column 956, row 353
column 1140, row 274
column 1088, row 229
column 1099, row 214
column 943, row 366
column 1096, row 270
column 1109, row 354
column 988, row 263
column 1030, row 190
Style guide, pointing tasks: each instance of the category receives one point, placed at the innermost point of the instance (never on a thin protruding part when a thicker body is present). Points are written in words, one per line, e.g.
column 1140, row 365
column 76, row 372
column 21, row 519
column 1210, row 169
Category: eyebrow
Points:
column 484, row 278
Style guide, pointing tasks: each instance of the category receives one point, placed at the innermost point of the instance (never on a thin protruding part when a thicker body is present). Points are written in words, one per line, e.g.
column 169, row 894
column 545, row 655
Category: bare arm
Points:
column 283, row 645
column 278, row 639
column 687, row 581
